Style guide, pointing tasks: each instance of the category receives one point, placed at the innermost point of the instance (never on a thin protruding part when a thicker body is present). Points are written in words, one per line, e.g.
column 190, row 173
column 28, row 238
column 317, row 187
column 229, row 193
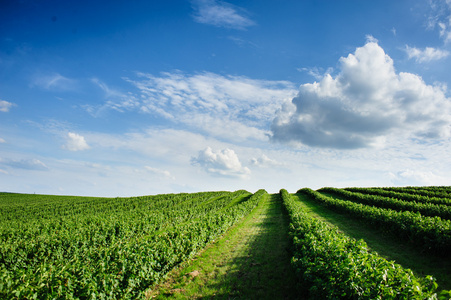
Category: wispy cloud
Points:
column 316, row 72
column 265, row 162
column 75, row 142
column 415, row 177
column 230, row 107
column 363, row 104
column 393, row 30
column 115, row 100
column 5, row 106
column 221, row 14
column 53, row 81
column 426, row 55
column 27, row 164
column 109, row 92
column 242, row 42
column 224, row 162
column 156, row 143
column 164, row 173
column 440, row 18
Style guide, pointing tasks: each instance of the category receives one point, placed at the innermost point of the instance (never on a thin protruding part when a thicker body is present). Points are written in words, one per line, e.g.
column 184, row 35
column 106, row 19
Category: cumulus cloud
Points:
column 27, row 164
column 159, row 172
column 5, row 106
column 363, row 104
column 426, row 55
column 75, row 142
column 220, row 14
column 224, row 162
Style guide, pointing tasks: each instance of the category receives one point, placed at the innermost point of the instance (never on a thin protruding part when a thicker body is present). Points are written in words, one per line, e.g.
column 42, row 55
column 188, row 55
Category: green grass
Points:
column 387, row 246
column 251, row 261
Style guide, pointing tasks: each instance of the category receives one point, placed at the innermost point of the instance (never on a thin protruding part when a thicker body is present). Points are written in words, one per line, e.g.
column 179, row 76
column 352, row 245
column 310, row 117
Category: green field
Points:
column 355, row 243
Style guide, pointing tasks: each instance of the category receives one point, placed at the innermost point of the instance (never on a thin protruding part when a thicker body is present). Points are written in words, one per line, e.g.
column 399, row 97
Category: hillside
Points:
column 345, row 243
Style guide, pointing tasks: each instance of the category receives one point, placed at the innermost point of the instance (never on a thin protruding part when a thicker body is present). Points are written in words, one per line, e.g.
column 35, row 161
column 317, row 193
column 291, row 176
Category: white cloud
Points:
column 265, row 162
column 109, row 92
column 162, row 144
column 445, row 32
column 366, row 102
column 53, row 81
column 228, row 107
column 115, row 100
column 240, row 42
column 224, row 162
column 27, row 164
column 209, row 92
column 371, row 39
column 75, row 142
column 2, row 141
column 116, row 166
column 224, row 128
column 426, row 55
column 5, row 106
column 220, row 14
column 159, row 172
column 441, row 18
column 393, row 30
column 316, row 72
column 417, row 178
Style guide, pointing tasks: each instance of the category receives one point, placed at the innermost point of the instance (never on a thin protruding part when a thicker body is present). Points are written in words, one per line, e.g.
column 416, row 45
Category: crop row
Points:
column 46, row 207
column 143, row 220
column 441, row 191
column 335, row 266
column 437, row 192
column 106, row 256
column 412, row 197
column 431, row 233
column 426, row 209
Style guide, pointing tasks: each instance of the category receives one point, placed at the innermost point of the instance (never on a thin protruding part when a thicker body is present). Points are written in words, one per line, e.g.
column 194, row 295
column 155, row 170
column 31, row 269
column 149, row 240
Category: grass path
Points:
column 387, row 246
column 251, row 261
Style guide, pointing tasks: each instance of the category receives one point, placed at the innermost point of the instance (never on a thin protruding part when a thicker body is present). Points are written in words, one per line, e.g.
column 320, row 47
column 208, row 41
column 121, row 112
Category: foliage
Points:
column 372, row 197
column 431, row 233
column 430, row 191
column 409, row 194
column 335, row 266
column 90, row 248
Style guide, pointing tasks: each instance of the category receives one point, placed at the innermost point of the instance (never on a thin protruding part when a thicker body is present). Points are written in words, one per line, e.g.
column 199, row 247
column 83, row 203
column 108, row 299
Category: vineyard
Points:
column 66, row 247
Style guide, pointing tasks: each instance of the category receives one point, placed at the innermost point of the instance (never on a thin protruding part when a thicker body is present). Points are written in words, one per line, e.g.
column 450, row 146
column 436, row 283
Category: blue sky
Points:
column 123, row 98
